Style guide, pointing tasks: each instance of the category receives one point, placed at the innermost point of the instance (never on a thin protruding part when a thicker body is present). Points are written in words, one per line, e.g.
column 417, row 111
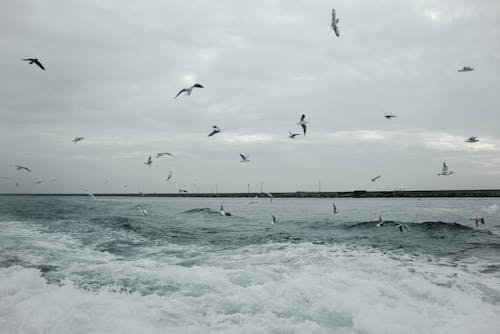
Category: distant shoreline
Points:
column 300, row 194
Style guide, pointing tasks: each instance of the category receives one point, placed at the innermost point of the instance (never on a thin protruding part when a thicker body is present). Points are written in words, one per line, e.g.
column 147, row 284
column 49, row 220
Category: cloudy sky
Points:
column 113, row 68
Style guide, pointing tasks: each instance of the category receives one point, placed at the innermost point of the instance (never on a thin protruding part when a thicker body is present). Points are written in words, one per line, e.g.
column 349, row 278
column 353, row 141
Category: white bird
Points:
column 142, row 211
column 376, row 177
column 162, row 154
column 223, row 212
column 189, row 90
column 380, row 221
column 401, row 226
column 18, row 167
column 35, row 61
column 169, row 175
column 478, row 220
column 270, row 196
column 445, row 171
column 245, row 158
column 215, row 129
column 254, row 200
column 77, row 139
column 335, row 22
column 334, row 208
column 149, row 162
column 91, row 195
column 465, row 69
column 292, row 135
column 274, row 221
column 472, row 140
column 389, row 116
column 303, row 123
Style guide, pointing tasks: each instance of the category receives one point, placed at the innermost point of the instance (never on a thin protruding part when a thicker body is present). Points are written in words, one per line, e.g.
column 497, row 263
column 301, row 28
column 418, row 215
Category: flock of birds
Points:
column 245, row 158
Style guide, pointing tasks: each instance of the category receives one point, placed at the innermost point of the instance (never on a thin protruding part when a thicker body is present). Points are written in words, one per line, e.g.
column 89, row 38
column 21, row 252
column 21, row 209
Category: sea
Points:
column 83, row 265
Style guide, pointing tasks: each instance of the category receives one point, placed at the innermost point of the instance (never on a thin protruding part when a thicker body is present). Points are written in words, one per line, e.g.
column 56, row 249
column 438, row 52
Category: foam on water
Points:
column 266, row 288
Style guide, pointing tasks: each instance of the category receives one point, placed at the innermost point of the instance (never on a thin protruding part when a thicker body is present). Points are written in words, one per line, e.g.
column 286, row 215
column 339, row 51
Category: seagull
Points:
column 274, row 221
column 142, row 211
column 445, row 171
column 335, row 22
column 472, row 140
column 270, row 196
column 39, row 182
column 189, row 90
column 162, row 154
column 223, row 212
column 401, row 226
column 182, row 191
column 77, row 139
column 169, row 176
column 149, row 162
column 376, row 177
column 380, row 221
column 465, row 69
column 36, row 61
column 254, row 200
column 141, row 194
column 245, row 158
column 18, row 167
column 91, row 195
column 334, row 208
column 292, row 135
column 17, row 184
column 478, row 220
column 215, row 129
column 303, row 123
column 389, row 116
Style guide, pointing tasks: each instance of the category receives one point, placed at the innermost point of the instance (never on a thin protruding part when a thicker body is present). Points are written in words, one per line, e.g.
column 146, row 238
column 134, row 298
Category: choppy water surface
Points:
column 77, row 265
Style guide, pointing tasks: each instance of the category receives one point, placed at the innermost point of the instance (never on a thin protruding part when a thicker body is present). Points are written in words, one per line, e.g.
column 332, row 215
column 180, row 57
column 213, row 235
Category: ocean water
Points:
column 78, row 265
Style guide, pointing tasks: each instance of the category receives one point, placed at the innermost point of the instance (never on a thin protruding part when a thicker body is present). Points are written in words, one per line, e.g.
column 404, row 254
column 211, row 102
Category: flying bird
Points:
column 445, row 171
column 472, row 140
column 478, row 220
column 245, row 158
column 389, row 116
column 18, row 167
column 91, row 195
column 189, row 90
column 335, row 22
column 465, row 69
column 292, row 135
column 380, row 221
column 39, row 182
column 401, row 226
column 149, row 162
column 158, row 155
column 77, row 139
column 376, row 177
column 182, row 191
column 334, row 208
column 303, row 123
column 274, row 221
column 35, row 61
column 215, row 129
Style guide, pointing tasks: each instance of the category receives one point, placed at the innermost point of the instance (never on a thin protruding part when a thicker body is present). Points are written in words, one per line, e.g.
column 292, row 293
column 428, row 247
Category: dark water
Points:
column 183, row 267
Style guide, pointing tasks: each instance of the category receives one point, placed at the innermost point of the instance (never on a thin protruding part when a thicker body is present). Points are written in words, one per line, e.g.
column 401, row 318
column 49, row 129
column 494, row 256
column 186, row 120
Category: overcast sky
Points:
column 114, row 67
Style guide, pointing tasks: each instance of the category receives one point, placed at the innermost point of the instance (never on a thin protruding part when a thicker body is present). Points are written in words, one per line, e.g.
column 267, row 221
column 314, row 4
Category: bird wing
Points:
column 181, row 91
column 445, row 167
column 197, row 85
column 336, row 30
column 39, row 64
column 243, row 157
column 304, row 127
column 212, row 133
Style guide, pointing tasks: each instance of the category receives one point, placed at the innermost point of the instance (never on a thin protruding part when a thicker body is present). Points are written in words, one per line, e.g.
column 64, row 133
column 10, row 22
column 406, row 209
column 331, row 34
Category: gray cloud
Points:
column 113, row 69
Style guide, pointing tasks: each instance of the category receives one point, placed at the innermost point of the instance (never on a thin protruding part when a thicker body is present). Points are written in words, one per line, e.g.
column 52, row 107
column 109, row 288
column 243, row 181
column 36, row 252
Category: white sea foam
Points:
column 270, row 288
